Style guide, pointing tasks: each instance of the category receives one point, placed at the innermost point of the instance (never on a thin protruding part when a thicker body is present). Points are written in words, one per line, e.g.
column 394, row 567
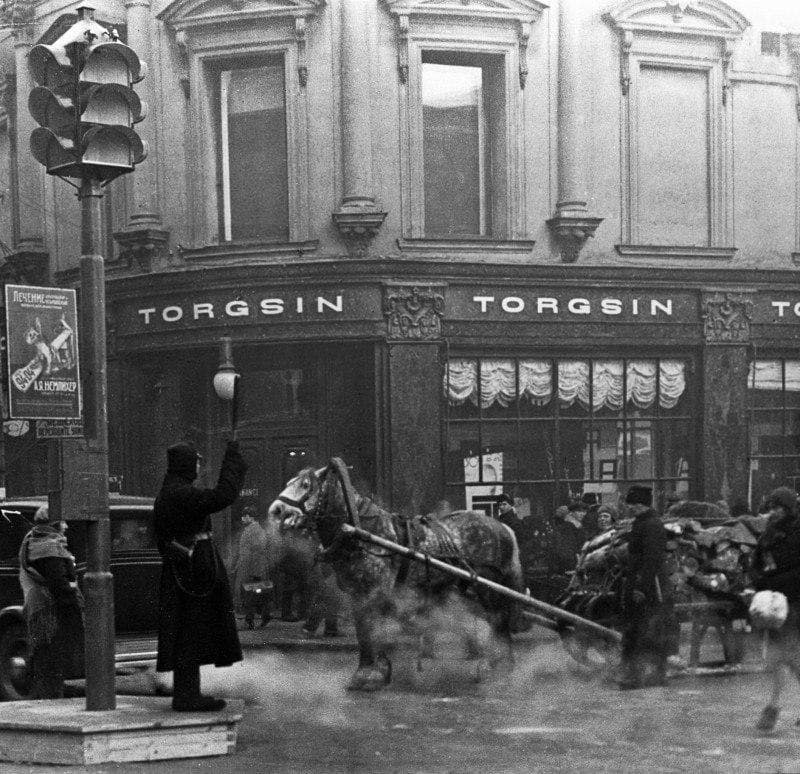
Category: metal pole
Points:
column 98, row 581
column 523, row 599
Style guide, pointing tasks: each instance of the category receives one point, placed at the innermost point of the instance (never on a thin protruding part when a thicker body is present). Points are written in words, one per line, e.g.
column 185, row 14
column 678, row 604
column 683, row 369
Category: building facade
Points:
column 471, row 248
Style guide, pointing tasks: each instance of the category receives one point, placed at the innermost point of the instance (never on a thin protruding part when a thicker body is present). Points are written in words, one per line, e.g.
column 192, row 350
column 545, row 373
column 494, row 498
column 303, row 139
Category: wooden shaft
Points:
column 523, row 599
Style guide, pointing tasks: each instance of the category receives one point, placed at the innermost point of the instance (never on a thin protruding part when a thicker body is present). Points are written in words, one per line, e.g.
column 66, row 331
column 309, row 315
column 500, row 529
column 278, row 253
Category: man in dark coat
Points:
column 507, row 514
column 647, row 597
column 196, row 618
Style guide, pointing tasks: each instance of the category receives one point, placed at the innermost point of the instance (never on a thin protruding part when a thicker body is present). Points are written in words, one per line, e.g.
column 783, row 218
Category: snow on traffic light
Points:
column 85, row 103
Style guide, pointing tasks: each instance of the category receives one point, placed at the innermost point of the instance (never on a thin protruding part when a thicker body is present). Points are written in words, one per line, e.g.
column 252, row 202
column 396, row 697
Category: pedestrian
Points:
column 606, row 519
column 568, row 536
column 507, row 514
column 591, row 505
column 197, row 624
column 323, row 603
column 251, row 567
column 648, row 635
column 53, row 606
column 776, row 567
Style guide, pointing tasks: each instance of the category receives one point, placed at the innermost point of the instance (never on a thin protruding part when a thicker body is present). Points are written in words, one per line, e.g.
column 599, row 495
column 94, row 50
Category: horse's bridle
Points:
column 301, row 503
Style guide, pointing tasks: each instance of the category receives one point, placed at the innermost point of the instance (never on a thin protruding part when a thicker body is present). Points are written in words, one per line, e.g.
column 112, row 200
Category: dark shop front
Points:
column 453, row 389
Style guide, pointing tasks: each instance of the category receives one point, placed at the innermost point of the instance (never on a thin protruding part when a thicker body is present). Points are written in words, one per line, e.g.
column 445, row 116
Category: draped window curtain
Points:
column 766, row 375
column 498, row 382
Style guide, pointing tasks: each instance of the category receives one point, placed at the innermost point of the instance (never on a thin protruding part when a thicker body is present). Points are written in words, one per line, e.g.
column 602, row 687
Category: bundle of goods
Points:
column 708, row 557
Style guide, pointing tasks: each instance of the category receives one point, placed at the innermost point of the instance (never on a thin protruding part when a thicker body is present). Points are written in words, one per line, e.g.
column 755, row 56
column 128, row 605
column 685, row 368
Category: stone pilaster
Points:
column 144, row 244
column 358, row 217
column 725, row 449
column 572, row 224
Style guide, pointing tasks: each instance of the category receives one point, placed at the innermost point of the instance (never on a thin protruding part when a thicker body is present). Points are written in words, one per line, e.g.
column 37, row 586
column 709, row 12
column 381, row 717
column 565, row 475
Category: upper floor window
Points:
column 246, row 120
column 462, row 128
column 252, row 144
column 676, row 138
column 462, row 121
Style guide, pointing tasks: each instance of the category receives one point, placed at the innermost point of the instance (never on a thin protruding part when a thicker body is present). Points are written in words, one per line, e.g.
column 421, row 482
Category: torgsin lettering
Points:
column 782, row 306
column 583, row 306
column 239, row 308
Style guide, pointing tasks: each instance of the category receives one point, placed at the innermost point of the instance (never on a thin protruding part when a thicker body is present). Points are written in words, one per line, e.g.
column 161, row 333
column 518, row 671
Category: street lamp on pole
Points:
column 226, row 380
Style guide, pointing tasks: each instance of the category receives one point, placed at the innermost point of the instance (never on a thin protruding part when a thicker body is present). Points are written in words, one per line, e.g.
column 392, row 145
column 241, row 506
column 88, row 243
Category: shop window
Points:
column 252, row 149
column 676, row 142
column 774, row 394
column 567, row 427
column 462, row 116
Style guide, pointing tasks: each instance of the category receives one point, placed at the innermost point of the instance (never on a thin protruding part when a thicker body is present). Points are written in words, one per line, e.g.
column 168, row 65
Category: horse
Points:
column 373, row 578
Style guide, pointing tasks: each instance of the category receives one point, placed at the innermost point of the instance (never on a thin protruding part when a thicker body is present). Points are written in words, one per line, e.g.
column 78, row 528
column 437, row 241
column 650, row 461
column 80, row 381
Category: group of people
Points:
column 280, row 567
column 197, row 623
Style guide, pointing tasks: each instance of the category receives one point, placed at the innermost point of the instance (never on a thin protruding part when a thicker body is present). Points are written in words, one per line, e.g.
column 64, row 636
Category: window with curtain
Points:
column 774, row 394
column 253, row 151
column 549, row 430
column 462, row 120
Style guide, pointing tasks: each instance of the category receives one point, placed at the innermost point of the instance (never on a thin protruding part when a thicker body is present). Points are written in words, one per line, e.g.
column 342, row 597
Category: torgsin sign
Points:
column 268, row 307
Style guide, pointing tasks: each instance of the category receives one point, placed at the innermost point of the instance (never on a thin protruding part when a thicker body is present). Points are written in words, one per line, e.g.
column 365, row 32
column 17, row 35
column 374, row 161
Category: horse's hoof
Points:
column 368, row 680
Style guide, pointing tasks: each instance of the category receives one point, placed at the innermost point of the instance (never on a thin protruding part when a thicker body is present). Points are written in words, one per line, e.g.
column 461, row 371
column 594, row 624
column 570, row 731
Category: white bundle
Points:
column 768, row 610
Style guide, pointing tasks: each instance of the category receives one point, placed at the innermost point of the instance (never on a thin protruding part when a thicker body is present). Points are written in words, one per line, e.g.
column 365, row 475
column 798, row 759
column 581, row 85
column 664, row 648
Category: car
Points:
column 135, row 565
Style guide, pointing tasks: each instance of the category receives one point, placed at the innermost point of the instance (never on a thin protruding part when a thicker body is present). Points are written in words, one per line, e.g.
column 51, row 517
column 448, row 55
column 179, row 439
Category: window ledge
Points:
column 492, row 246
column 251, row 250
column 675, row 251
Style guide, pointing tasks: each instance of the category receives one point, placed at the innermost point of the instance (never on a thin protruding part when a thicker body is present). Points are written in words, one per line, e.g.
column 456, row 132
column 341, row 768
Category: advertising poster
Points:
column 42, row 347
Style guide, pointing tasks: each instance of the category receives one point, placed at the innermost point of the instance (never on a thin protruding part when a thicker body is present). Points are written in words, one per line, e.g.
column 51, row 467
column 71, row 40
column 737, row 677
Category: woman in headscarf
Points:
column 53, row 606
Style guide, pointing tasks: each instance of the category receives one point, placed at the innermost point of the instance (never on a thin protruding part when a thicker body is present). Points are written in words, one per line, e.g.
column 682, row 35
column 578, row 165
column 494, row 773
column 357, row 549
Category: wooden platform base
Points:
column 141, row 728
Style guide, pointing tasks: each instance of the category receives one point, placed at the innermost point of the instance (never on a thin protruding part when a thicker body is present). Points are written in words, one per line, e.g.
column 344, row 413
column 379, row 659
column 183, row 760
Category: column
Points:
column 357, row 218
column 143, row 241
column 572, row 223
column 413, row 316
column 725, row 441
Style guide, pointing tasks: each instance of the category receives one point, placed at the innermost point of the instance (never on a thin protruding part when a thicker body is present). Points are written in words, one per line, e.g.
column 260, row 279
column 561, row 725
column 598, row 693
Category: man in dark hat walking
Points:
column 196, row 618
column 507, row 514
column 647, row 601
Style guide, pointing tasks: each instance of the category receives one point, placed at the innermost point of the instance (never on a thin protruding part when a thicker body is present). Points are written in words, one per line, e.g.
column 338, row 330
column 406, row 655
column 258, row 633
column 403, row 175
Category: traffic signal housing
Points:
column 85, row 103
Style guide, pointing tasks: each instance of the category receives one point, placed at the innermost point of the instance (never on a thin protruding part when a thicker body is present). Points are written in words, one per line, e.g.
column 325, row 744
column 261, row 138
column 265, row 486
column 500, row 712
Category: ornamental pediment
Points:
column 709, row 18
column 187, row 14
column 526, row 11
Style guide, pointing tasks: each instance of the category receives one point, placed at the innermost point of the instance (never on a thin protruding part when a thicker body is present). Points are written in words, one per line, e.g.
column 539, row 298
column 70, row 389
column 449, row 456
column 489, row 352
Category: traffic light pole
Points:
column 98, row 581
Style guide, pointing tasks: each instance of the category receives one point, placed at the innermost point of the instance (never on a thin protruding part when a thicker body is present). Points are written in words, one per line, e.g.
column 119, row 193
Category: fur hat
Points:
column 639, row 495
column 782, row 497
column 590, row 498
column 42, row 515
column 505, row 498
column 182, row 460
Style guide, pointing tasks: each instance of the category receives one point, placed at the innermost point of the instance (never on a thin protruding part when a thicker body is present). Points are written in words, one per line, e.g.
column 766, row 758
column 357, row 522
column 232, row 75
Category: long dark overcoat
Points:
column 195, row 629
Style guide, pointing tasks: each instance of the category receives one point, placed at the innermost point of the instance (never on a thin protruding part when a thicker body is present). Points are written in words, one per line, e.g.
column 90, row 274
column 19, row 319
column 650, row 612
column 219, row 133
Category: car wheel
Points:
column 15, row 677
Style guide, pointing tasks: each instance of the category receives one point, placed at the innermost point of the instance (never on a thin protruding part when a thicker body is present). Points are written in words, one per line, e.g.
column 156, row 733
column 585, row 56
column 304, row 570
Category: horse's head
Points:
column 299, row 500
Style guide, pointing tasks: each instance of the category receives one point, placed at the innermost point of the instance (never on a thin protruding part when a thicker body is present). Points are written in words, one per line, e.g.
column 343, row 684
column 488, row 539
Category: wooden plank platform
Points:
column 141, row 728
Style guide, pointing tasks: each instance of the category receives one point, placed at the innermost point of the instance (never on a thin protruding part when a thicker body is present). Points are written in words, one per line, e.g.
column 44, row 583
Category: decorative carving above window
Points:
column 190, row 17
column 727, row 317
column 520, row 13
column 674, row 61
column 708, row 19
column 413, row 313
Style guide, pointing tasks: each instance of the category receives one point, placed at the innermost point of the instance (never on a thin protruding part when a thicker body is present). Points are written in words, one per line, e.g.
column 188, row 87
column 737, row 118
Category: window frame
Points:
column 786, row 409
column 676, row 37
column 556, row 419
column 275, row 31
column 501, row 31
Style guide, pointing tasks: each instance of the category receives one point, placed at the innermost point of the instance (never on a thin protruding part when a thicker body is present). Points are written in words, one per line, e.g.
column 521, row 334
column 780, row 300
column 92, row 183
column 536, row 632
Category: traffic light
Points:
column 85, row 103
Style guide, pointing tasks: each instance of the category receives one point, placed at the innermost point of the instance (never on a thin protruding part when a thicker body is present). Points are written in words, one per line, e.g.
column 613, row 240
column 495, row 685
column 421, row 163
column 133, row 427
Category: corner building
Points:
column 469, row 247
